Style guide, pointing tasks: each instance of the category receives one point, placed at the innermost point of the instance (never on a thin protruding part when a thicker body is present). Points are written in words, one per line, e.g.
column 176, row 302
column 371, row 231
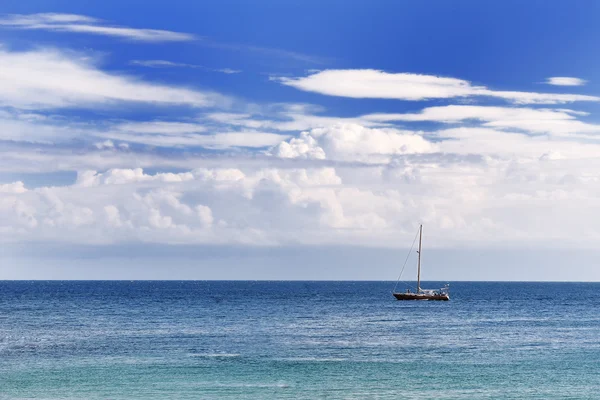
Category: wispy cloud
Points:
column 49, row 78
column 181, row 134
column 565, row 81
column 368, row 83
column 75, row 23
column 224, row 140
column 535, row 120
column 170, row 64
column 84, row 24
column 24, row 128
column 266, row 51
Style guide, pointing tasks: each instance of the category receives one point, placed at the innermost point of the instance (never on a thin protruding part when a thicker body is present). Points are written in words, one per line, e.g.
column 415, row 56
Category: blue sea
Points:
column 297, row 340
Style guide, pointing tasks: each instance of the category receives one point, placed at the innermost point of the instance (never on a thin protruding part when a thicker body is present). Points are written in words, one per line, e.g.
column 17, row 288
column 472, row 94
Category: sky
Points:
column 299, row 139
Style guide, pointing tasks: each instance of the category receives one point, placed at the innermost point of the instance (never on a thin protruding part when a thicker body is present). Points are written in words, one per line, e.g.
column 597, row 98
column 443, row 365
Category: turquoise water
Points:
column 297, row 340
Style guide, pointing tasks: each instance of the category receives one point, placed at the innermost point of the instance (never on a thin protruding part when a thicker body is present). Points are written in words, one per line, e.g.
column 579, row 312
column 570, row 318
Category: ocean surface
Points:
column 297, row 340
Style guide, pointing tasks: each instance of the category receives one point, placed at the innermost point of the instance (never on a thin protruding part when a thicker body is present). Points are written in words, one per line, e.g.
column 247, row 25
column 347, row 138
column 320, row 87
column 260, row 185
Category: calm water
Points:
column 297, row 340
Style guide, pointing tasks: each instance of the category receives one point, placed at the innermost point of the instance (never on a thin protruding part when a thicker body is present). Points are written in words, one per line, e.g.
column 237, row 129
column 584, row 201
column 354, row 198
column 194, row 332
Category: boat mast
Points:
column 419, row 270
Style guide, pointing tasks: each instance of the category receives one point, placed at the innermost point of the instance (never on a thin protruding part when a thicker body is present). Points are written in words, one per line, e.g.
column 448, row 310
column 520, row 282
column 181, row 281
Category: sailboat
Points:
column 423, row 294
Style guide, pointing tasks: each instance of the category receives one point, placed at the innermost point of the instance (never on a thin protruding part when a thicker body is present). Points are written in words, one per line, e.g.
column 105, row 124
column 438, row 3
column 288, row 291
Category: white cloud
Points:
column 187, row 207
column 537, row 98
column 378, row 84
column 15, row 187
column 160, row 127
column 292, row 117
column 464, row 203
column 555, row 121
column 565, row 81
column 304, row 146
column 26, row 127
column 367, row 83
column 87, row 25
column 83, row 24
column 496, row 175
column 48, row 78
column 106, row 145
column 36, row 128
column 222, row 140
column 511, row 145
column 353, row 142
column 119, row 176
column 457, row 113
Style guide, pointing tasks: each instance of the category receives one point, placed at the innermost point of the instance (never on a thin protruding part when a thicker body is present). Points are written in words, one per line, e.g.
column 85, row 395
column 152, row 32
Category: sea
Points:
column 297, row 340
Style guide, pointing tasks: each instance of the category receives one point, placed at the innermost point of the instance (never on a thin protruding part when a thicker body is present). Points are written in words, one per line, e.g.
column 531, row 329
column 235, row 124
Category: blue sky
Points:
column 275, row 129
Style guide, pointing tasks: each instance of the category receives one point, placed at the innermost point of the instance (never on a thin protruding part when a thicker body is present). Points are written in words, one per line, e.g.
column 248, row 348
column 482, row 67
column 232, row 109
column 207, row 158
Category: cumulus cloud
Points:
column 565, row 81
column 368, row 83
column 49, row 78
column 83, row 24
column 15, row 187
column 199, row 206
column 356, row 143
column 477, row 202
column 352, row 142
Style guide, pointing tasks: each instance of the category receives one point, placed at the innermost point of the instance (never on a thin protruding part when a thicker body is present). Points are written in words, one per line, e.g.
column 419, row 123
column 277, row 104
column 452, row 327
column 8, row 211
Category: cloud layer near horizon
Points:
column 463, row 200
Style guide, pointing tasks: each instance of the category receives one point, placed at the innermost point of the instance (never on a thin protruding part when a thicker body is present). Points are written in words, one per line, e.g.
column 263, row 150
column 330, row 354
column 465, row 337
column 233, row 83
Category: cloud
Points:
column 170, row 64
column 353, row 142
column 367, row 83
column 565, row 81
column 536, row 120
column 482, row 176
column 15, row 187
column 74, row 23
column 160, row 127
column 107, row 144
column 128, row 204
column 49, row 78
column 511, row 145
column 83, row 24
column 286, row 118
column 22, row 128
column 223, row 140
column 29, row 127
column 181, row 134
column 464, row 203
column 458, row 113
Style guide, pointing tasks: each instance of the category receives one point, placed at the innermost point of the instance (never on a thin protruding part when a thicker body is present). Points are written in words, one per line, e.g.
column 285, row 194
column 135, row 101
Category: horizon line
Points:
column 282, row 280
